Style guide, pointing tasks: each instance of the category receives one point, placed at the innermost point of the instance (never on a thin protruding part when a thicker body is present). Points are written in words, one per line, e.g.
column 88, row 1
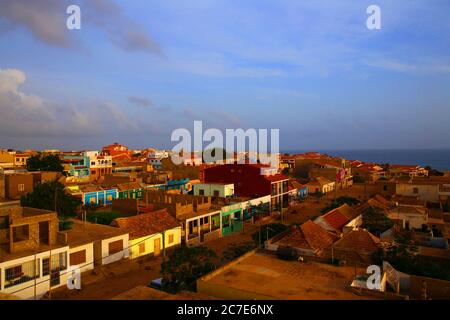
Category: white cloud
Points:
column 29, row 115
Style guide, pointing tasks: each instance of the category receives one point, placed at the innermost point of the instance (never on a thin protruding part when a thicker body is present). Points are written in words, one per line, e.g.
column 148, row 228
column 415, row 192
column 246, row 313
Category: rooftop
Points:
column 86, row 232
column 147, row 224
column 265, row 276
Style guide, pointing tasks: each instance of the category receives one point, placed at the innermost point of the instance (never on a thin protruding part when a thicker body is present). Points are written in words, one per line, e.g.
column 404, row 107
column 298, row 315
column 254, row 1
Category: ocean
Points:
column 438, row 159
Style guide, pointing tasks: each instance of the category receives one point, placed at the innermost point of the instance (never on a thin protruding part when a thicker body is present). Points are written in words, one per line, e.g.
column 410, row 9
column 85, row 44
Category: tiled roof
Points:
column 276, row 178
column 359, row 240
column 147, row 224
column 320, row 181
column 309, row 236
column 336, row 218
column 128, row 186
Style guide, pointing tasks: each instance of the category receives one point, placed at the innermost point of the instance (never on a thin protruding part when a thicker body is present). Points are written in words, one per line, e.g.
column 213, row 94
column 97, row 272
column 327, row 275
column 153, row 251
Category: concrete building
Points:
column 150, row 233
column 252, row 180
column 216, row 190
column 28, row 237
column 17, row 185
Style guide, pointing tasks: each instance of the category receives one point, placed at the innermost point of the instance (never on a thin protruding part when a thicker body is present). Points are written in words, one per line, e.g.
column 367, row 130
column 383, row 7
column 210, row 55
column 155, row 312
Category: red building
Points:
column 251, row 180
column 115, row 149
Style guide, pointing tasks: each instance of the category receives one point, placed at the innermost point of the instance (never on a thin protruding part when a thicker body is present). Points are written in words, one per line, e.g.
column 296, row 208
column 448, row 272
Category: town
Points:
column 125, row 224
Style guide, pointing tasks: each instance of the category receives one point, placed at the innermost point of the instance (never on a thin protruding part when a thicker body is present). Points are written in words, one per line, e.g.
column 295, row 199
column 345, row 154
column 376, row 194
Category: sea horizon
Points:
column 438, row 159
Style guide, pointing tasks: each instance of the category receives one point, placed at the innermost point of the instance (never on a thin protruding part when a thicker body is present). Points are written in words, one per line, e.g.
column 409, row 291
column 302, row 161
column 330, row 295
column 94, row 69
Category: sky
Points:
column 139, row 69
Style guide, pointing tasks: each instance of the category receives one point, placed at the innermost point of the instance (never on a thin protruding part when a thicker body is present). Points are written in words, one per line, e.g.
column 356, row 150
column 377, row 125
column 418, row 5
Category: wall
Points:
column 436, row 289
column 26, row 290
column 106, row 258
column 12, row 182
column 428, row 192
column 149, row 242
column 224, row 190
column 89, row 264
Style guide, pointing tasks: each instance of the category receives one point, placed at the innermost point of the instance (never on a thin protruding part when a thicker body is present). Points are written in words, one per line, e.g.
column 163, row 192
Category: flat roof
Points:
column 266, row 275
column 86, row 232
column 146, row 293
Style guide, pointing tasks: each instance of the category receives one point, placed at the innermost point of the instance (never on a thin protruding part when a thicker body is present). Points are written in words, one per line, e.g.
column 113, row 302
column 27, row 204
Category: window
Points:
column 415, row 190
column 21, row 187
column 170, row 238
column 4, row 222
column 21, row 233
column 115, row 246
column 109, row 198
column 58, row 263
column 92, row 200
column 201, row 192
column 78, row 257
column 21, row 273
column 216, row 193
column 92, row 163
column 141, row 247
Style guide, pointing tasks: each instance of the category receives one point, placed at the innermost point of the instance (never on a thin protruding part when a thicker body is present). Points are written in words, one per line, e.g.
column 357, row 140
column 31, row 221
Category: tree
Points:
column 375, row 221
column 339, row 202
column 358, row 179
column 43, row 197
column 184, row 266
column 235, row 250
column 50, row 162
column 269, row 231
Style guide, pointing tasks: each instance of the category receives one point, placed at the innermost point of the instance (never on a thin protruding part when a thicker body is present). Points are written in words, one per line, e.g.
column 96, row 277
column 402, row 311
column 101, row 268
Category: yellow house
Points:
column 150, row 233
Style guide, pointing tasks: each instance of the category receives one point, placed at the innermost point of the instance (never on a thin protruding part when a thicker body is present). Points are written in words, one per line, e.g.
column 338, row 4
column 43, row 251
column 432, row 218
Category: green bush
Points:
column 339, row 202
column 103, row 217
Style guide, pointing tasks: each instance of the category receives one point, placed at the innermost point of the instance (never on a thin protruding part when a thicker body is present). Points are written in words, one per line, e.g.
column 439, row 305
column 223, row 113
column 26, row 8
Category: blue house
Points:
column 302, row 190
column 96, row 195
column 177, row 184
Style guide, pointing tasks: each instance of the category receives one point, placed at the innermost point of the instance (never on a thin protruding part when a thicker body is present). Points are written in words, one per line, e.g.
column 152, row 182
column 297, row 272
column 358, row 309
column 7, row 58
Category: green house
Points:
column 231, row 219
column 131, row 190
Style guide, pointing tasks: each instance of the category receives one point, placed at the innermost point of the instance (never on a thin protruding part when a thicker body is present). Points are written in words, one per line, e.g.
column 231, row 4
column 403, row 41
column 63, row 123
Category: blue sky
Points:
column 139, row 69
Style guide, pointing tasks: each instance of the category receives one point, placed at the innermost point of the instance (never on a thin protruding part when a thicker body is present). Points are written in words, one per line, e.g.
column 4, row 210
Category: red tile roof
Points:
column 276, row 178
column 336, row 218
column 309, row 236
column 147, row 224
column 360, row 240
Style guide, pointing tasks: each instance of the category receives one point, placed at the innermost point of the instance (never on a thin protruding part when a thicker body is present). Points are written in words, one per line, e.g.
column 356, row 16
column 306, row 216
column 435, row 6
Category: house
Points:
column 130, row 190
column 302, row 190
column 355, row 247
column 252, row 180
column 336, row 219
column 150, row 233
column 200, row 220
column 320, row 185
column 17, row 185
column 428, row 189
column 99, row 164
column 221, row 190
column 92, row 244
column 20, row 159
column 337, row 170
column 76, row 165
column 28, row 242
column 115, row 149
column 368, row 171
column 410, row 217
column 7, row 159
column 411, row 171
column 94, row 195
column 308, row 239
